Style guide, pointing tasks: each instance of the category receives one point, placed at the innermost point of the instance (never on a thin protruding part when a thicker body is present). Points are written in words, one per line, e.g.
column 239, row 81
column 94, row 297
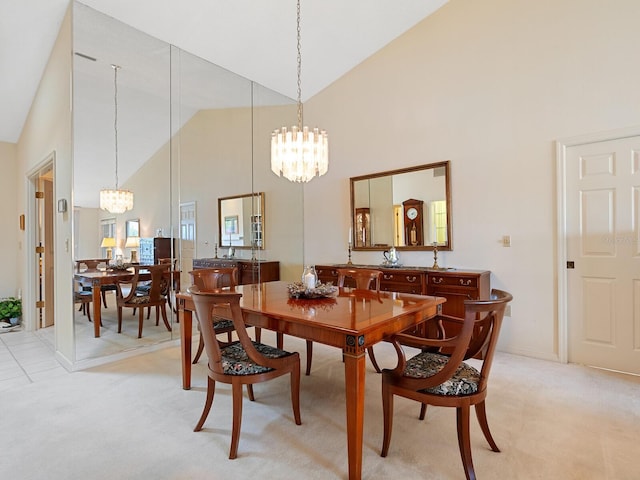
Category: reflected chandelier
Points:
column 299, row 154
column 116, row 200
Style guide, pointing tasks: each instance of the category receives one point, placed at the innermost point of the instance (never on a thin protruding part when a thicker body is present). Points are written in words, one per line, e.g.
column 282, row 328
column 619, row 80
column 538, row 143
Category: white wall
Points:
column 47, row 131
column 490, row 86
column 11, row 238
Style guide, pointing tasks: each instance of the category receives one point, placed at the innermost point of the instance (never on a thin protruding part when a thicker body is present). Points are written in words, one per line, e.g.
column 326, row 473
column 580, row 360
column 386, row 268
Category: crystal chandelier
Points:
column 299, row 154
column 116, row 200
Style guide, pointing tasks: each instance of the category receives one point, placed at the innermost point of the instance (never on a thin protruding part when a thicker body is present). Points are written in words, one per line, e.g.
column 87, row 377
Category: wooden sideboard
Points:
column 249, row 271
column 454, row 284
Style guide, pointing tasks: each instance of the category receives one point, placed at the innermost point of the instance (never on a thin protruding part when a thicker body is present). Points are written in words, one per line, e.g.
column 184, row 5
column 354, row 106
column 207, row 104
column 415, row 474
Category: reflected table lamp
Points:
column 109, row 243
column 133, row 243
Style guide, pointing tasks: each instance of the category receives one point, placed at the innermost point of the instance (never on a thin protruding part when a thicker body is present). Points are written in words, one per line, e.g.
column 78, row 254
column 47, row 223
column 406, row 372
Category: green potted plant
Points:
column 11, row 310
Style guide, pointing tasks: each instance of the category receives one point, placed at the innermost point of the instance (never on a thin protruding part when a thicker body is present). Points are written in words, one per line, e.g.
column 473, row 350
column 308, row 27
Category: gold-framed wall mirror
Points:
column 241, row 221
column 408, row 208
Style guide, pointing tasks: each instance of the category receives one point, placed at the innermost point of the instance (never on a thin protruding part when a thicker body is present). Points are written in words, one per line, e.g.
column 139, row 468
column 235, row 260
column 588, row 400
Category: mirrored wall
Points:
column 185, row 133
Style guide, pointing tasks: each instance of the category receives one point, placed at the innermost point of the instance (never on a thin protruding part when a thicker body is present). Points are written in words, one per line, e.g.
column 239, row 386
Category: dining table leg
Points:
column 96, row 291
column 186, row 325
column 354, row 375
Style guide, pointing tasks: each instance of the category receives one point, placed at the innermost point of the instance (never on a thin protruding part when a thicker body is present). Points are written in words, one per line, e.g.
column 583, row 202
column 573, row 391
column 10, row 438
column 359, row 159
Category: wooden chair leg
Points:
column 250, row 392
column 119, row 319
column 200, row 350
column 481, row 413
column 295, row 395
column 279, row 340
column 87, row 310
column 373, row 359
column 163, row 310
column 237, row 419
column 387, row 411
column 140, row 321
column 423, row 411
column 464, row 441
column 104, row 298
column 309, row 357
column 211, row 390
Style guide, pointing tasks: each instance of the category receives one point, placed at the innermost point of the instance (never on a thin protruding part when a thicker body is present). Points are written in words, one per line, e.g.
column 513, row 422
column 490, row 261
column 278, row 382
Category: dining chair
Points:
column 83, row 297
column 128, row 296
column 91, row 265
column 445, row 379
column 243, row 362
column 213, row 279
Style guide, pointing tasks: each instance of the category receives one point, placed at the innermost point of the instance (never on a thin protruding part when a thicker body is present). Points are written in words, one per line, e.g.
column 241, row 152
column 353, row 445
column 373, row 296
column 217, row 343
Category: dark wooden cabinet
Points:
column 249, row 271
column 455, row 285
column 152, row 249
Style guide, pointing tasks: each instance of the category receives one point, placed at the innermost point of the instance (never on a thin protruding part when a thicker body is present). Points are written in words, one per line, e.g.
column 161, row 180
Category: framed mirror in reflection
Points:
column 241, row 221
column 409, row 209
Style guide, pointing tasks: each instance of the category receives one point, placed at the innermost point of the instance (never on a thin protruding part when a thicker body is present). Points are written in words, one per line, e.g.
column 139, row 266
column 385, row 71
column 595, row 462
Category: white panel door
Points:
column 603, row 242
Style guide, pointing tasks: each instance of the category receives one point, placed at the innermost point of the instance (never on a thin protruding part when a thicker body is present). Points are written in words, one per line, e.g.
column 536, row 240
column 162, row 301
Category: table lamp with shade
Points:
column 109, row 243
column 133, row 243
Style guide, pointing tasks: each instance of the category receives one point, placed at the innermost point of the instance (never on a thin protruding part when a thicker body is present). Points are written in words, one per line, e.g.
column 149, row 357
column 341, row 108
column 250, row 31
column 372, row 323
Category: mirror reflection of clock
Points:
column 412, row 213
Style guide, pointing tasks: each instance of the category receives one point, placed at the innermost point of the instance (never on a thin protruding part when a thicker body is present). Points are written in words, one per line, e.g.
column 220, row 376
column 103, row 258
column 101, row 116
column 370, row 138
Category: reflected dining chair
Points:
column 213, row 279
column 83, row 297
column 128, row 296
column 434, row 377
column 91, row 265
column 243, row 362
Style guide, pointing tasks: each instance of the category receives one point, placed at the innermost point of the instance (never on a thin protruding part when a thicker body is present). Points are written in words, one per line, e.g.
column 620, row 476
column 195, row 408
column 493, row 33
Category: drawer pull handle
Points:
column 411, row 279
column 437, row 280
column 466, row 282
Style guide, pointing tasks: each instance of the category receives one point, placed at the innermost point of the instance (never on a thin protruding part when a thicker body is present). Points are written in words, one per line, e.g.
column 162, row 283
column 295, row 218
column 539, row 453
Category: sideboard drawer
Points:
column 453, row 280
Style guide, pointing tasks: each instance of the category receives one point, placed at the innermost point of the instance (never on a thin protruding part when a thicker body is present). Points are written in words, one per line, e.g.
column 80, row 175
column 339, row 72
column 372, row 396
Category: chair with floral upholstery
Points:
column 212, row 280
column 127, row 294
column 239, row 363
column 440, row 376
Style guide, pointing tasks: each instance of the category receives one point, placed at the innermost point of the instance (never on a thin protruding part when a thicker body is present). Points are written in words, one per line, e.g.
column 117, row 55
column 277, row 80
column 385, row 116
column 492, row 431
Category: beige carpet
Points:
column 131, row 420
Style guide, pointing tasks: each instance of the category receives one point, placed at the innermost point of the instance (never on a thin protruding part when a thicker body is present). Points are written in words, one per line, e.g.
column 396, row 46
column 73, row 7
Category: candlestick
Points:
column 435, row 256
column 215, row 249
column 349, row 262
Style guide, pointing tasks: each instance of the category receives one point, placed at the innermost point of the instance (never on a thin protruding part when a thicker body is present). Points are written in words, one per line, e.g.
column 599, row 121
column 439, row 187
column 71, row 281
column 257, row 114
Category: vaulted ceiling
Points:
column 253, row 38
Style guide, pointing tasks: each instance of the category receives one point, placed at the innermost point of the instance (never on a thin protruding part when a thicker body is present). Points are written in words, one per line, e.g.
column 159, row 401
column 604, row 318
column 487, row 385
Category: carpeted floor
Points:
column 132, row 420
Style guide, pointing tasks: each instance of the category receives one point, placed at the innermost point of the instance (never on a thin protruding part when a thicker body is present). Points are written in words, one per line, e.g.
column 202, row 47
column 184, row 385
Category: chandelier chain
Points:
column 115, row 117
column 299, row 59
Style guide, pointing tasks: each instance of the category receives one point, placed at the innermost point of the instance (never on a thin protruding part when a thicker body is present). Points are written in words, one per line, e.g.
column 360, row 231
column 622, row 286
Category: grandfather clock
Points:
column 413, row 222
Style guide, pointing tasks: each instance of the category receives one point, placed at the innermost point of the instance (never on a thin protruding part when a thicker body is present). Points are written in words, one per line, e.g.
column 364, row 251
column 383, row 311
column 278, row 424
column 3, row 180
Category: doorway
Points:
column 42, row 244
column 599, row 250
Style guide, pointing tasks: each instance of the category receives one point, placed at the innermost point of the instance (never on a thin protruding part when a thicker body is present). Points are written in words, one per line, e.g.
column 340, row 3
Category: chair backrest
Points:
column 158, row 287
column 365, row 278
column 211, row 279
column 90, row 264
column 481, row 328
column 206, row 303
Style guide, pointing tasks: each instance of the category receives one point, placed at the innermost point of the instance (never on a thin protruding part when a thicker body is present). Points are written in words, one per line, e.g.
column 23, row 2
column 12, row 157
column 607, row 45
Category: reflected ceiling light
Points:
column 116, row 200
column 299, row 154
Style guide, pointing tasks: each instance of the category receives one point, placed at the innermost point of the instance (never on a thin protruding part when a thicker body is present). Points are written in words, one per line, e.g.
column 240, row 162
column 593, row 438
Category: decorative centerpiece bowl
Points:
column 321, row 290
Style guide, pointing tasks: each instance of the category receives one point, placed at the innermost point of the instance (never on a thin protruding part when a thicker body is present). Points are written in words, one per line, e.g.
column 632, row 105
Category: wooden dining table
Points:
column 352, row 321
column 109, row 277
